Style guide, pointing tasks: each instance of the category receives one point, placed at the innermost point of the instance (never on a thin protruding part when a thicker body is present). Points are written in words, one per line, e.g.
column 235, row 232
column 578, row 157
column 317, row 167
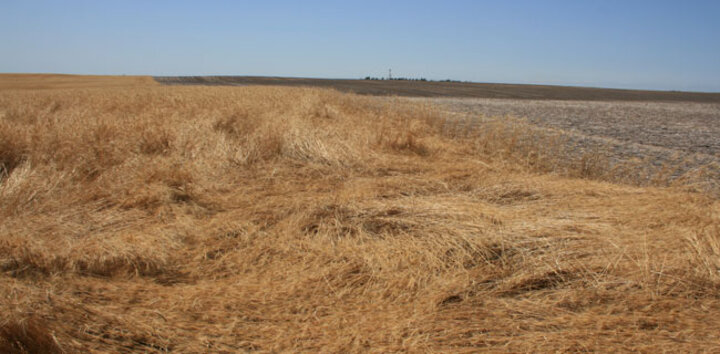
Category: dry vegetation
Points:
column 210, row 219
column 60, row 82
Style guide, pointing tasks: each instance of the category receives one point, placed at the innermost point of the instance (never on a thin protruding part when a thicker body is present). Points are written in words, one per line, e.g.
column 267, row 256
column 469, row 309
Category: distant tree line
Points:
column 407, row 79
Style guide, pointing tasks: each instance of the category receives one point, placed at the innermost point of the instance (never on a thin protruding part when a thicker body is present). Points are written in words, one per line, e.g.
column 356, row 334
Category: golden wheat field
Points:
column 136, row 217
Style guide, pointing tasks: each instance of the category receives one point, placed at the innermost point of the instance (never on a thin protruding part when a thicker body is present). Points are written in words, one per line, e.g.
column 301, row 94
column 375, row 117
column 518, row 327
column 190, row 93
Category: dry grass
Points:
column 61, row 82
column 200, row 219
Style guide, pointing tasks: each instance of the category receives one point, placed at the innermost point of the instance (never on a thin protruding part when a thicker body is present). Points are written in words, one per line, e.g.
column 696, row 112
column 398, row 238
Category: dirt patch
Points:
column 685, row 127
column 648, row 140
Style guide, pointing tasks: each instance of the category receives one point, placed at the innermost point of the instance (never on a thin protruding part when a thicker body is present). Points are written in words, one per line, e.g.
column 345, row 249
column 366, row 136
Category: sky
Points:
column 653, row 44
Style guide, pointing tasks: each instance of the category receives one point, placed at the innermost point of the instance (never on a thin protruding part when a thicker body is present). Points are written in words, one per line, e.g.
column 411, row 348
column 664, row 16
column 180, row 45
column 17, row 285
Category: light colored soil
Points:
column 680, row 138
column 683, row 127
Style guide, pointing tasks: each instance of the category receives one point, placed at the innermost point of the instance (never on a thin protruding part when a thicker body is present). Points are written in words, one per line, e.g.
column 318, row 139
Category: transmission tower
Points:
column 389, row 74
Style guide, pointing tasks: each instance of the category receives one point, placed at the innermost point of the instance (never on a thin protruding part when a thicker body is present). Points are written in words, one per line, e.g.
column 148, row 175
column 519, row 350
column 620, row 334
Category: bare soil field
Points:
column 682, row 136
column 450, row 89
column 150, row 218
column 680, row 126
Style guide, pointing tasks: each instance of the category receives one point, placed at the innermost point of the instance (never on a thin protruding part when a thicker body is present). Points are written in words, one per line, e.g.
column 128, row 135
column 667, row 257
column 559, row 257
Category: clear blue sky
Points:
column 655, row 44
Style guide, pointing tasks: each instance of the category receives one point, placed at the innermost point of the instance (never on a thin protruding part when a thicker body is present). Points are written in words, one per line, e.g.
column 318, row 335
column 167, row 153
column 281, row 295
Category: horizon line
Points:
column 585, row 86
